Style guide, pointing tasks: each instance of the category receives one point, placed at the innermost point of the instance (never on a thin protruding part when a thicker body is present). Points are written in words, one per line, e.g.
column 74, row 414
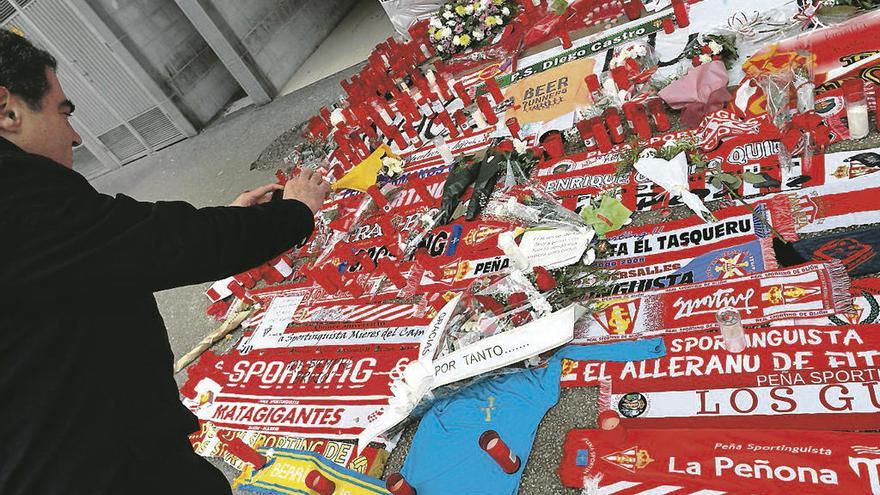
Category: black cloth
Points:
column 88, row 403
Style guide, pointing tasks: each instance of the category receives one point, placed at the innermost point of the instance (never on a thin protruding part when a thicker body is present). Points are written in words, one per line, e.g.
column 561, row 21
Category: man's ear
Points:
column 10, row 117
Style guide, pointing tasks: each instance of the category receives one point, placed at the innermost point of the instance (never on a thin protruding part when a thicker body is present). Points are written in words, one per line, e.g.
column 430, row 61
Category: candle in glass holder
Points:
column 731, row 329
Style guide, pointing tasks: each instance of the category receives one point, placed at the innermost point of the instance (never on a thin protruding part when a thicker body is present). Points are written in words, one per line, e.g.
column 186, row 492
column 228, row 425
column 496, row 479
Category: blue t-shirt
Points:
column 445, row 457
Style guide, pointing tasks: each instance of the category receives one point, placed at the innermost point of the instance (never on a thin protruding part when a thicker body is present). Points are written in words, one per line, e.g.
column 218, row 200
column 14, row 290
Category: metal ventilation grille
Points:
column 6, row 10
column 156, row 128
column 122, row 143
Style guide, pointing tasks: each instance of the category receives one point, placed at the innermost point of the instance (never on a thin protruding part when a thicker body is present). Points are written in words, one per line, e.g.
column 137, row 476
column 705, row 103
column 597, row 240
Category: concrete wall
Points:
column 168, row 46
column 279, row 35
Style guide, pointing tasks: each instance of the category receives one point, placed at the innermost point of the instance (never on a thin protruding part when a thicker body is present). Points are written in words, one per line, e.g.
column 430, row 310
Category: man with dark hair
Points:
column 88, row 403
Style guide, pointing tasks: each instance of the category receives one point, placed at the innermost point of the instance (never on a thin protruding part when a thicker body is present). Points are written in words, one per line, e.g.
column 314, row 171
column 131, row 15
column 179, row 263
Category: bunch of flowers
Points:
column 463, row 24
column 709, row 47
column 637, row 50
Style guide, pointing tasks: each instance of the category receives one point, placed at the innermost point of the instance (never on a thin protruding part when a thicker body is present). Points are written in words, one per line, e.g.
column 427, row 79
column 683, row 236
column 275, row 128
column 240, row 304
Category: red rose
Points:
column 490, row 304
column 517, row 299
column 543, row 279
column 521, row 318
column 505, row 146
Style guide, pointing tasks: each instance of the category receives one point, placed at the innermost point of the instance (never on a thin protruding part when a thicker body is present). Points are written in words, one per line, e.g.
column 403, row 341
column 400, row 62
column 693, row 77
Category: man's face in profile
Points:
column 47, row 131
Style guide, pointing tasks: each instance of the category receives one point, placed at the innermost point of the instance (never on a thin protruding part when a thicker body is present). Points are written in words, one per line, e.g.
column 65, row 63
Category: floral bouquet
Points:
column 464, row 24
column 708, row 47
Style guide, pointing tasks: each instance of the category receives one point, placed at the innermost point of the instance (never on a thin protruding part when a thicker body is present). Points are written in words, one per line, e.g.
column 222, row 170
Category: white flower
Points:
column 705, row 59
column 478, row 34
column 715, row 47
column 499, row 20
column 440, row 48
column 448, row 14
column 469, row 9
column 436, row 23
column 447, row 32
column 336, row 117
column 505, row 11
column 393, row 166
column 519, row 146
column 641, row 51
column 426, row 219
column 456, row 40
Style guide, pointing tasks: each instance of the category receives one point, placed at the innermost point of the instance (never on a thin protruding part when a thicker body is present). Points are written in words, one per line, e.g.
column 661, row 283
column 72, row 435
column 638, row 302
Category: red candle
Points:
column 592, row 81
column 615, row 125
column 668, row 25
column 462, row 93
column 603, row 141
column 494, row 90
column 661, row 121
column 243, row 451
column 392, row 271
column 641, row 122
column 621, row 80
column 562, row 32
column 319, row 483
column 585, row 128
column 424, row 259
column 443, row 86
column 632, row 9
column 513, row 127
column 487, row 110
column 499, row 451
column 681, row 13
column 446, row 120
column 396, row 483
column 554, row 145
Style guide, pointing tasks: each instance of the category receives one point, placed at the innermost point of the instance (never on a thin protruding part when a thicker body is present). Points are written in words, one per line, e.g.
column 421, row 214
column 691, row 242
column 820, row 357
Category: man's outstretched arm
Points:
column 64, row 238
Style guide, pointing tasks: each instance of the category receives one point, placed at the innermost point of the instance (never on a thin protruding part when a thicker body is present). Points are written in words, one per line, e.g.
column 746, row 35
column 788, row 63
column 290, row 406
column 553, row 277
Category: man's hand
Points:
column 258, row 196
column 308, row 187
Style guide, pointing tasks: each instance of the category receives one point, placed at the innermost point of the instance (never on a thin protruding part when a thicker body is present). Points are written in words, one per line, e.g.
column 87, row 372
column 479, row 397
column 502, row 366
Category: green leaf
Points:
column 752, row 178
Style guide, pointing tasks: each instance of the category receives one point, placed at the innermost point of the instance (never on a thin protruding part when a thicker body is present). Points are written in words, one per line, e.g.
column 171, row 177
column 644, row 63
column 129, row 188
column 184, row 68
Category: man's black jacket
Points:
column 86, row 385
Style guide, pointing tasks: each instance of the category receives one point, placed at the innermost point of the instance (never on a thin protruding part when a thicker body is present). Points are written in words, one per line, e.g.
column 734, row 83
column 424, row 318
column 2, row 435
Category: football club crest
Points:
column 732, row 263
column 630, row 459
column 618, row 318
column 848, row 250
column 788, row 294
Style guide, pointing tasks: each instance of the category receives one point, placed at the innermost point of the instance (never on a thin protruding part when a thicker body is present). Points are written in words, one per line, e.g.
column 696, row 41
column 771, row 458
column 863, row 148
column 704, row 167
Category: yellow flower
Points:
column 465, row 40
column 438, row 34
column 460, row 10
column 490, row 21
column 498, row 2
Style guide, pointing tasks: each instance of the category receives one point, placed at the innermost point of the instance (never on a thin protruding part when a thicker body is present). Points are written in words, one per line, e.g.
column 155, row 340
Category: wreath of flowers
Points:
column 463, row 24
column 709, row 47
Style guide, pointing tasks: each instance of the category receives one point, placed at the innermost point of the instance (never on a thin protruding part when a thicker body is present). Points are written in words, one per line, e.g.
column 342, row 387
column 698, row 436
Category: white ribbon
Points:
column 672, row 176
column 503, row 349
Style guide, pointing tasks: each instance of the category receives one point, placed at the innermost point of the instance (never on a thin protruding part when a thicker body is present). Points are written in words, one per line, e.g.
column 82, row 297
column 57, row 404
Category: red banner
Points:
column 787, row 377
column 784, row 462
column 306, row 392
column 814, row 289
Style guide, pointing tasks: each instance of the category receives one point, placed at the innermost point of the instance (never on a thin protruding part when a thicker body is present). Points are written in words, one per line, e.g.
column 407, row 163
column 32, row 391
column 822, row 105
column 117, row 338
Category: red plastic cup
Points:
column 320, row 483
column 499, row 451
column 397, row 485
